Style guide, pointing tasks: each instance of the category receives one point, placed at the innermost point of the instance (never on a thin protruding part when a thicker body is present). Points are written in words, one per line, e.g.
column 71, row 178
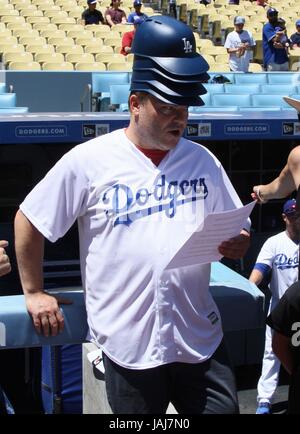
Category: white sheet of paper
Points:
column 202, row 246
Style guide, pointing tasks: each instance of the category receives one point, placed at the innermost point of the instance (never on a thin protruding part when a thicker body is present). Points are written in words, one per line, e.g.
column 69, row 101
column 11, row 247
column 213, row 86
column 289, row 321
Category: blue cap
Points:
column 271, row 12
column 91, row 2
column 289, row 207
column 297, row 23
column 239, row 20
column 137, row 3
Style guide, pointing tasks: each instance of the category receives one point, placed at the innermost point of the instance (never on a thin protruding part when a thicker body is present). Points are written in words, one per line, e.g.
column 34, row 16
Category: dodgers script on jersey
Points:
column 132, row 218
column 280, row 253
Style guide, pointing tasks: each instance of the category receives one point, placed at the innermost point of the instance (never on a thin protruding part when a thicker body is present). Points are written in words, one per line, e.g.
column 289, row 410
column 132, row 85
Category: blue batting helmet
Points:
column 166, row 63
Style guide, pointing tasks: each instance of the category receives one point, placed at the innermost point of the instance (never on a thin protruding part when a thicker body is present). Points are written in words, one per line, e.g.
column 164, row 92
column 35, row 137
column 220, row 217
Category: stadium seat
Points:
column 57, row 66
column 231, row 99
column 219, row 67
column 283, row 89
column 246, row 78
column 8, row 100
column 259, row 109
column 255, row 67
column 206, row 98
column 263, row 100
column 242, row 88
column 49, row 57
column 90, row 66
column 119, row 93
column 283, row 78
column 17, row 57
column 203, row 109
column 79, row 57
column 214, row 87
column 100, row 88
column 119, row 66
column 24, row 66
column 13, row 110
column 2, row 88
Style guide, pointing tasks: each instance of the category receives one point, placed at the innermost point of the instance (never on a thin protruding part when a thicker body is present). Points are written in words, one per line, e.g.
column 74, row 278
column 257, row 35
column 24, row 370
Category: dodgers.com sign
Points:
column 41, row 131
column 244, row 129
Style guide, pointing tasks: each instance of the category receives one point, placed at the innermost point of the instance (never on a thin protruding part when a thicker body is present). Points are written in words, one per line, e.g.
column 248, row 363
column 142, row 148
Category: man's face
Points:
column 292, row 222
column 93, row 6
column 239, row 28
column 160, row 125
column 273, row 18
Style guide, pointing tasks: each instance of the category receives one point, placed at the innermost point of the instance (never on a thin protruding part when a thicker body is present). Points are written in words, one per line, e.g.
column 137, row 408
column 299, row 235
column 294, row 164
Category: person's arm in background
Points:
column 287, row 181
column 108, row 19
column 259, row 272
column 281, row 346
column 124, row 19
column 43, row 308
column 5, row 266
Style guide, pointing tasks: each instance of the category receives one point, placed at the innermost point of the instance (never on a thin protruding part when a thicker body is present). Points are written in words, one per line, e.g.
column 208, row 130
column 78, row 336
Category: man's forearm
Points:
column 29, row 245
column 281, row 187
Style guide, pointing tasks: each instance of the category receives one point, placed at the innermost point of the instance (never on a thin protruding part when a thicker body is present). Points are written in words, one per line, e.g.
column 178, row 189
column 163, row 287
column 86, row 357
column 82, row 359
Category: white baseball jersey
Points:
column 133, row 216
column 280, row 253
column 234, row 40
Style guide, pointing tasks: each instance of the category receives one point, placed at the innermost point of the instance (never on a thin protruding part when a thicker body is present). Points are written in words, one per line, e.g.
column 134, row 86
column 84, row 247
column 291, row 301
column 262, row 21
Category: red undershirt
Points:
column 155, row 155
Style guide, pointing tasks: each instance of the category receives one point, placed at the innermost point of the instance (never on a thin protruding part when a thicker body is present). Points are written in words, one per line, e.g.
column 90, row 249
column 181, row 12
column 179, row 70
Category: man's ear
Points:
column 134, row 104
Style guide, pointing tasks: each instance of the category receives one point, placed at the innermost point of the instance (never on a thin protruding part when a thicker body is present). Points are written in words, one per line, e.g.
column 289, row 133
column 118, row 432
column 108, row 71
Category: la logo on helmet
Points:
column 187, row 46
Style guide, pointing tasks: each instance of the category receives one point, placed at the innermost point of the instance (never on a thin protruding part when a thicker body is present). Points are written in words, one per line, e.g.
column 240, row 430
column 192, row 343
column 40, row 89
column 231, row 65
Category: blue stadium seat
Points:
column 284, row 78
column 242, row 88
column 7, row 100
column 119, row 93
column 256, row 78
column 231, row 99
column 214, row 87
column 206, row 98
column 263, row 100
column 101, row 82
column 2, row 87
column 283, row 89
column 203, row 109
column 15, row 110
column 260, row 109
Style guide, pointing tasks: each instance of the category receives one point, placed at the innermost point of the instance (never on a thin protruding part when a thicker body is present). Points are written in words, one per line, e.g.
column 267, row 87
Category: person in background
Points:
column 275, row 57
column 138, row 193
column 172, row 8
column 281, row 34
column 5, row 268
column 115, row 15
column 91, row 15
column 277, row 262
column 233, row 2
column 262, row 3
column 137, row 14
column 295, row 37
column 239, row 45
column 127, row 37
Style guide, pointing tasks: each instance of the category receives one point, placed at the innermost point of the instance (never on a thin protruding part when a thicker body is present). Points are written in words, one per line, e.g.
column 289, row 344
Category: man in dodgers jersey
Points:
column 279, row 256
column 137, row 195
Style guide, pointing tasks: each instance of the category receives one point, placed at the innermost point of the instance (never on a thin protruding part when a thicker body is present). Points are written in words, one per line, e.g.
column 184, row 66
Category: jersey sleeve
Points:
column 267, row 253
column 228, row 42
column 58, row 199
column 269, row 33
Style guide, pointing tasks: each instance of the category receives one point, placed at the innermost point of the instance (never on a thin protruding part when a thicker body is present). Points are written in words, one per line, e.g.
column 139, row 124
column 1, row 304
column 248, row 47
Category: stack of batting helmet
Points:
column 166, row 64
